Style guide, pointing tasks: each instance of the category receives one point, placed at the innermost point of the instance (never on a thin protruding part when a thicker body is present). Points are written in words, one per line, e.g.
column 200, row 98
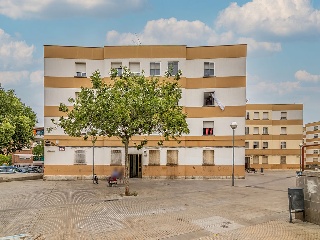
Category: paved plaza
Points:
column 256, row 208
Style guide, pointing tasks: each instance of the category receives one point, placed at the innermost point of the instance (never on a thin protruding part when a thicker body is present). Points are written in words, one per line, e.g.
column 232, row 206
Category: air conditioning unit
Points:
column 81, row 74
column 78, row 74
column 283, row 118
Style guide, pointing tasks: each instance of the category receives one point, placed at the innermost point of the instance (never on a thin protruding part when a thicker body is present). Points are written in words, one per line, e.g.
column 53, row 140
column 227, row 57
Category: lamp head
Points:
column 233, row 125
column 301, row 144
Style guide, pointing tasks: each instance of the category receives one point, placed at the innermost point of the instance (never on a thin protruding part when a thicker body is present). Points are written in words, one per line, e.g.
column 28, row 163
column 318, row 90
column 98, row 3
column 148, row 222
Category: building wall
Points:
column 312, row 153
column 280, row 143
column 228, row 85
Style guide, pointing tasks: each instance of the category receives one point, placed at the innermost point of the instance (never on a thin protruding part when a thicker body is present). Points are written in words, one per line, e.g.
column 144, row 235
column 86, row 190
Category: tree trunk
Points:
column 126, row 170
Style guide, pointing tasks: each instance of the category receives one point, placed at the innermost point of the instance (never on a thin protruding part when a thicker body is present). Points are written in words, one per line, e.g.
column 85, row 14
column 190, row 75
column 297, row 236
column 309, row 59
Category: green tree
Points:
column 5, row 159
column 16, row 123
column 130, row 105
column 38, row 150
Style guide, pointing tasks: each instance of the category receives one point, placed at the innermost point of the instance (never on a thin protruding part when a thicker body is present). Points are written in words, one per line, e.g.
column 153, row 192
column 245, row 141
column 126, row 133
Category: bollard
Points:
column 261, row 170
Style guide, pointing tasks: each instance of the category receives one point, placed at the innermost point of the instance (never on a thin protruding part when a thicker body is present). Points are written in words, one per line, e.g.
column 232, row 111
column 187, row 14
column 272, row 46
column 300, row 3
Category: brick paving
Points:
column 256, row 208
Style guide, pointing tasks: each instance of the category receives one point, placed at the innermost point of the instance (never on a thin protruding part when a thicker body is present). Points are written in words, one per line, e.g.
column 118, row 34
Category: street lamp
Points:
column 300, row 145
column 233, row 125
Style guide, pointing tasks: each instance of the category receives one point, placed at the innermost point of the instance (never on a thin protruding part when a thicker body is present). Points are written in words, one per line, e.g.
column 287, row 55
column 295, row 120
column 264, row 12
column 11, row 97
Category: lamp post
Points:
column 300, row 145
column 233, row 125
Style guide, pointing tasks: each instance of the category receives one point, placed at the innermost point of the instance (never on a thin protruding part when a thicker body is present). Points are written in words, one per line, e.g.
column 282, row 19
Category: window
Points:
column 283, row 130
column 79, row 157
column 256, row 130
column 265, row 130
column 283, row 159
column 315, row 128
column 134, row 68
column 265, row 116
column 247, row 116
column 315, row 152
column 264, row 159
column 208, row 99
column 154, row 157
column 208, row 157
column 256, row 115
column 265, row 145
column 116, row 157
column 172, row 157
column 173, row 68
column 255, row 145
column 246, row 129
column 81, row 69
column 208, row 69
column 255, row 159
column 315, row 160
column 283, row 145
column 315, row 135
column 208, row 128
column 247, row 145
column 154, row 69
column 118, row 67
column 283, row 116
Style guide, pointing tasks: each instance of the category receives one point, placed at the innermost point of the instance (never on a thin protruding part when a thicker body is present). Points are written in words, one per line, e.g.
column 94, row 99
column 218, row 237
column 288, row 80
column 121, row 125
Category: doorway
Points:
column 135, row 170
column 247, row 162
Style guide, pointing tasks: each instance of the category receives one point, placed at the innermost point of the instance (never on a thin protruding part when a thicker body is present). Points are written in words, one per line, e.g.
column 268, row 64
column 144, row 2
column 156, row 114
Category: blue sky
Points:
column 283, row 38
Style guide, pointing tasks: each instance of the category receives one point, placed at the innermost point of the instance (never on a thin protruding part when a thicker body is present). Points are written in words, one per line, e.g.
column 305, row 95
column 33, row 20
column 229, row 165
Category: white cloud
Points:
column 303, row 75
column 173, row 31
column 13, row 78
column 36, row 77
column 13, row 53
column 18, row 9
column 276, row 18
column 278, row 88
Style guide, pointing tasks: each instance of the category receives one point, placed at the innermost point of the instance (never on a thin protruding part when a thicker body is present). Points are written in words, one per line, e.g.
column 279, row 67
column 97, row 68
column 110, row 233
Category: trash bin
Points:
column 261, row 170
column 296, row 201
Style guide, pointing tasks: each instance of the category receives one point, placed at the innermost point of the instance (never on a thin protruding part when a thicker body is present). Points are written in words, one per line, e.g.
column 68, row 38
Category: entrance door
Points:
column 247, row 162
column 135, row 166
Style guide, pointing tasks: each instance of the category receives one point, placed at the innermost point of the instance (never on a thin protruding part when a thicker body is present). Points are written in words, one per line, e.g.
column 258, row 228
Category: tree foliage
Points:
column 38, row 150
column 16, row 123
column 130, row 105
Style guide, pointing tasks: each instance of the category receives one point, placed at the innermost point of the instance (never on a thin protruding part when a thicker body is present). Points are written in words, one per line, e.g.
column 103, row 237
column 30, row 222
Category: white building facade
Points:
column 213, row 95
column 312, row 137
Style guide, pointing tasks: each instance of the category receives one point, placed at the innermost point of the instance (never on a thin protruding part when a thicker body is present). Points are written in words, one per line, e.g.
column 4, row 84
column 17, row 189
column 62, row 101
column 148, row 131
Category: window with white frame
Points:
column 118, row 67
column 255, row 145
column 247, row 116
column 246, row 129
column 208, row 157
column 283, row 130
column 315, row 135
column 79, row 157
column 154, row 157
column 315, row 152
column 81, row 69
column 283, row 116
column 315, row 128
column 134, row 68
column 247, row 145
column 255, row 159
column 283, row 145
column 116, row 157
column 173, row 68
column 256, row 115
column 208, row 69
column 155, row 69
column 315, row 160
column 172, row 157
column 256, row 130
column 264, row 159
column 265, row 130
column 283, row 160
column 208, row 127
column 208, row 98
column 265, row 116
column 265, row 145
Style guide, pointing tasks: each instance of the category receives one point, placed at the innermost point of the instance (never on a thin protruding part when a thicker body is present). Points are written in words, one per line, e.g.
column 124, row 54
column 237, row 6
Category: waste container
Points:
column 296, row 201
column 261, row 170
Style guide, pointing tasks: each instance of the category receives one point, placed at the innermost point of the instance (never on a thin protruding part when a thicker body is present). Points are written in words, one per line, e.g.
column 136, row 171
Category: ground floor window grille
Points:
column 208, row 157
column 172, row 157
column 116, row 157
column 154, row 157
column 283, row 159
column 79, row 157
column 255, row 159
column 264, row 159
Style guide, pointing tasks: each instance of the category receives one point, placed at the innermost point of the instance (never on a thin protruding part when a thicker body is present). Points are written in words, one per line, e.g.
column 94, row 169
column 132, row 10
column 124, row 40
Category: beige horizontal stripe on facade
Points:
column 274, row 137
column 275, row 122
column 312, row 155
column 312, row 132
column 210, row 52
column 312, row 147
column 275, row 166
column 312, row 124
column 272, row 151
column 274, row 107
column 146, row 51
column 148, row 171
column 192, row 112
column 188, row 83
column 313, row 140
column 73, row 52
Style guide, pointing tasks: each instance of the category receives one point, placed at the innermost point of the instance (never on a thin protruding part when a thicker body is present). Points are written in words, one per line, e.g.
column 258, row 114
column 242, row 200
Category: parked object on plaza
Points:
column 250, row 169
column 6, row 170
column 296, row 201
column 95, row 179
column 112, row 181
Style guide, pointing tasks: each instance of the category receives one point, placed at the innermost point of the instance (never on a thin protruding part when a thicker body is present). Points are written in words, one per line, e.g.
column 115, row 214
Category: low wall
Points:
column 310, row 182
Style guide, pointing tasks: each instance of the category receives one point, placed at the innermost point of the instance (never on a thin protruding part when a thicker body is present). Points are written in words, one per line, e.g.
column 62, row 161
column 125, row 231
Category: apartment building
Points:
column 312, row 137
column 274, row 133
column 213, row 95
